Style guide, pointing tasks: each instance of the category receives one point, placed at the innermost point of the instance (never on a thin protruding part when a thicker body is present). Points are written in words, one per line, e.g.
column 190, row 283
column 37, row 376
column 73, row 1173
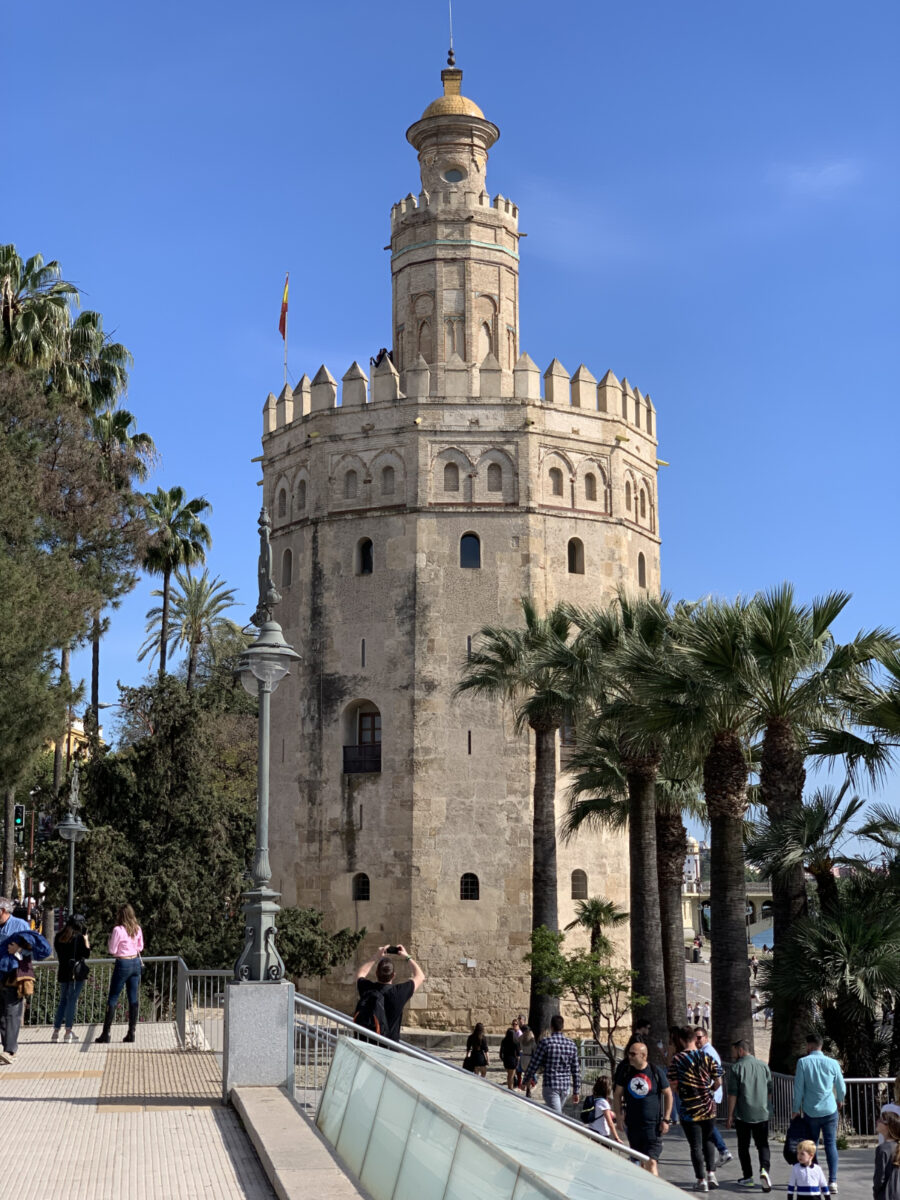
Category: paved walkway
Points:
column 116, row 1122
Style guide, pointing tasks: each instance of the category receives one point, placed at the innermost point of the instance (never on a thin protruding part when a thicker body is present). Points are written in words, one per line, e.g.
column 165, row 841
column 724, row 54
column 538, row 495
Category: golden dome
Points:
column 453, row 103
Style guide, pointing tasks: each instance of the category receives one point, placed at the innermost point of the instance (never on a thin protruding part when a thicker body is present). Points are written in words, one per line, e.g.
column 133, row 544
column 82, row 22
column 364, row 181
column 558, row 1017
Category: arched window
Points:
column 426, row 342
column 282, row 503
column 556, row 481
column 590, row 487
column 579, row 885
column 576, row 556
column 362, row 738
column 361, row 888
column 351, row 484
column 485, row 341
column 451, row 477
column 628, row 494
column 642, row 571
column 468, row 887
column 387, row 481
column 301, row 495
column 287, row 568
column 365, row 558
column 643, row 503
column 495, row 478
column 470, row 550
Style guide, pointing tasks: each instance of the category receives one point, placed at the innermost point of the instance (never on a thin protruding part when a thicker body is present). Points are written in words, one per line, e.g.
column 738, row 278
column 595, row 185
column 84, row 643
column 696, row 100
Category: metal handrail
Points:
column 345, row 1022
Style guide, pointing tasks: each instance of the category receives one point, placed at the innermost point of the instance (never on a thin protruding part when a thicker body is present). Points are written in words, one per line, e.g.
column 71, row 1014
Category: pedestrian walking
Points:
column 509, row 1056
column 476, row 1059
column 12, row 999
column 527, row 1046
column 703, row 1043
column 886, row 1181
column 72, row 949
column 643, row 1102
column 695, row 1075
column 819, row 1090
column 749, row 1103
column 754, row 1003
column 557, row 1057
column 381, row 1002
column 807, row 1178
column 598, row 1112
column 125, row 945
column 698, row 1012
column 705, row 1022
column 754, row 966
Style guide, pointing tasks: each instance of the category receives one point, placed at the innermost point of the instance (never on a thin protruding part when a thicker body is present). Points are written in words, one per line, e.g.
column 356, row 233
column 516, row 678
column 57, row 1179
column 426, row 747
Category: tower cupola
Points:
column 453, row 139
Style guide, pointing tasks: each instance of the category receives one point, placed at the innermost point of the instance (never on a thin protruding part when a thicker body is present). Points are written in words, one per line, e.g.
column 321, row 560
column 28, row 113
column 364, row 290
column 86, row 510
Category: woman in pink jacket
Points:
column 125, row 945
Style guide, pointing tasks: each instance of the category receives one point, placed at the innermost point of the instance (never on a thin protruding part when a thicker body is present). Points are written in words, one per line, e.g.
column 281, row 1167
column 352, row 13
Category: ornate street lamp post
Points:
column 71, row 829
column 261, row 668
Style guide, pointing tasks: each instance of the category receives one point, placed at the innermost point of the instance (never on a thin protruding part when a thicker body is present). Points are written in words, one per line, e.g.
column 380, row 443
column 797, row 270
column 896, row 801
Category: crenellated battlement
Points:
column 458, row 382
column 435, row 203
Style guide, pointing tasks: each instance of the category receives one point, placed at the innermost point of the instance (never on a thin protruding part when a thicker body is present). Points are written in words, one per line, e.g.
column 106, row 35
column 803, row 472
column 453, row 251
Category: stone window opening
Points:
column 362, row 652
column 468, row 887
column 469, row 648
column 485, row 341
column 287, row 568
column 590, row 487
column 556, row 481
column 470, row 551
column 351, row 485
column 301, row 495
column 495, row 478
column 469, row 740
column 282, row 502
column 579, row 885
column 387, row 481
column 643, row 504
column 642, row 571
column 365, row 557
column 628, row 494
column 576, row 556
column 451, row 477
column 362, row 738
column 361, row 887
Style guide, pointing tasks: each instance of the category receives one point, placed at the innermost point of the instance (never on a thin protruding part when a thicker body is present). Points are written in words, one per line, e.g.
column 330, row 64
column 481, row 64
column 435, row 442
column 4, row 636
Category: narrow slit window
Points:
column 387, row 481
column 287, row 568
column 362, row 652
column 469, row 740
column 590, row 487
column 642, row 571
column 301, row 495
column 628, row 494
column 282, row 503
column 556, row 481
column 351, row 485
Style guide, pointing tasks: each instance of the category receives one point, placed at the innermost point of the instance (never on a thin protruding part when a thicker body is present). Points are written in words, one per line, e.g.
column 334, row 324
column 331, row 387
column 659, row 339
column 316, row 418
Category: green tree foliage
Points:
column 306, row 947
column 34, row 309
column 195, row 617
column 602, row 991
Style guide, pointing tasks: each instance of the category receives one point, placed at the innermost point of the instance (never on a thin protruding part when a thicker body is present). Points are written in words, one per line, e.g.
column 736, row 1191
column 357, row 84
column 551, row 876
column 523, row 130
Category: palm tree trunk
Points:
column 646, row 934
column 781, row 778
column 164, row 625
column 95, row 672
column 544, row 904
column 191, row 666
column 827, row 891
column 9, row 842
column 725, row 785
column 671, row 851
column 60, row 743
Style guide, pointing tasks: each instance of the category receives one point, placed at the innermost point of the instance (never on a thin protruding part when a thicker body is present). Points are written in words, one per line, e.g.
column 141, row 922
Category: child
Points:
column 604, row 1122
column 807, row 1178
column 886, row 1184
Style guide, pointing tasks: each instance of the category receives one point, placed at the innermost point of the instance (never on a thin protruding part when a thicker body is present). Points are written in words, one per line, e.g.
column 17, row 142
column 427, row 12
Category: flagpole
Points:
column 286, row 278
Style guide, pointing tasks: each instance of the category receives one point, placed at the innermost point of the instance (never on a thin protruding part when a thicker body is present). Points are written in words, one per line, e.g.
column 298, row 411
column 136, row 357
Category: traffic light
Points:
column 19, row 816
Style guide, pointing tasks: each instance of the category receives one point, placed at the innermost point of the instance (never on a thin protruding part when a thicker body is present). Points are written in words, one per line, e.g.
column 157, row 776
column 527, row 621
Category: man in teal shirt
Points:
column 749, row 1101
column 819, row 1089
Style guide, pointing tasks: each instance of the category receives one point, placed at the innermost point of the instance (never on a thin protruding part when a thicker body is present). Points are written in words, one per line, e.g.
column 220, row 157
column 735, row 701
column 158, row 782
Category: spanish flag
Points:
column 282, row 320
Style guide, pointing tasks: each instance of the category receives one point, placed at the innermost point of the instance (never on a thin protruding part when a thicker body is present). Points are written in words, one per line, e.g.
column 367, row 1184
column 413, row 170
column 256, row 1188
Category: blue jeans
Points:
column 68, row 998
column 553, row 1099
column 827, row 1126
column 719, row 1140
column 126, row 974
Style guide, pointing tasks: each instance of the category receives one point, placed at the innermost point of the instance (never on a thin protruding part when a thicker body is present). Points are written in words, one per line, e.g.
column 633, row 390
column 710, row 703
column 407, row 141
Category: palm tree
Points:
column 509, row 664
column 597, row 914
column 804, row 686
column 34, row 309
column 93, row 368
column 698, row 696
column 196, row 617
column 178, row 538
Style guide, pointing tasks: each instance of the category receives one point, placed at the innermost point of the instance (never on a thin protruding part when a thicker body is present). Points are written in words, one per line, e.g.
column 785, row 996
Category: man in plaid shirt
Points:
column 557, row 1057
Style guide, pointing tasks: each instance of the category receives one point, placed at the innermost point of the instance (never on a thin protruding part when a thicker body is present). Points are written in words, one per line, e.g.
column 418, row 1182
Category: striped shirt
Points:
column 808, row 1181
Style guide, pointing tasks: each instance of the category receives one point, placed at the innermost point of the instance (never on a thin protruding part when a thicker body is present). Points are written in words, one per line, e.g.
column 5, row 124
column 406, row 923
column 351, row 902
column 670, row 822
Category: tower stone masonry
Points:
column 447, row 484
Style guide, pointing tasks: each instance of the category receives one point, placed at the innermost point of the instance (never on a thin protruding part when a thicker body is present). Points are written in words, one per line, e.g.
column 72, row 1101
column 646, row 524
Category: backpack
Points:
column 587, row 1110
column 797, row 1131
column 370, row 1012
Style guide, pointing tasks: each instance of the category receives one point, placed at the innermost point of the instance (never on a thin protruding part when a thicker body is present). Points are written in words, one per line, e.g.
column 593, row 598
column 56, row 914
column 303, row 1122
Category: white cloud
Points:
column 817, row 180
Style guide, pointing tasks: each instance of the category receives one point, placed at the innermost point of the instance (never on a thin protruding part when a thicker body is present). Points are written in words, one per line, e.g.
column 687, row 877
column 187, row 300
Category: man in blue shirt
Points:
column 819, row 1089
column 11, row 1003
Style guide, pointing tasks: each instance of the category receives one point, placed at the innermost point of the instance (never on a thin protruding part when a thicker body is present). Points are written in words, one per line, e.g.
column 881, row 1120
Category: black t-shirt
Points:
column 67, row 953
column 396, row 997
column 641, row 1089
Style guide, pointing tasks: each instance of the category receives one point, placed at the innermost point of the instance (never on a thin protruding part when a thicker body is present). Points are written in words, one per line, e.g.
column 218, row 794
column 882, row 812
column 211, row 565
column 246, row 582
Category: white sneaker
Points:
column 54, row 1036
column 764, row 1181
column 724, row 1158
column 712, row 1181
column 701, row 1186
column 70, row 1036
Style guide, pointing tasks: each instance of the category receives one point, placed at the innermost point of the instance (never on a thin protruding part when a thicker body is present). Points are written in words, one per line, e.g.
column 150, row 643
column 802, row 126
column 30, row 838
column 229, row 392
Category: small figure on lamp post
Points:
column 261, row 668
column 72, row 829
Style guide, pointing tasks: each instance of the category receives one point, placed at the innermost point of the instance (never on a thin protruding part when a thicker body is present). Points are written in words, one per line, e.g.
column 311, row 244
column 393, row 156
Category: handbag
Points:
column 25, row 979
column 80, row 970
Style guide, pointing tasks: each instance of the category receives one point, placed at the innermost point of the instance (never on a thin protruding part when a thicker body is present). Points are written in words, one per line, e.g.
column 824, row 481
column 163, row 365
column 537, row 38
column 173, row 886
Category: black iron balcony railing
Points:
column 362, row 760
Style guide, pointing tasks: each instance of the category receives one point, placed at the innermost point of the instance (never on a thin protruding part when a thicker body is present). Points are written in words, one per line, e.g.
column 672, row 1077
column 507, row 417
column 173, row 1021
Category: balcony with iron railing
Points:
column 362, row 760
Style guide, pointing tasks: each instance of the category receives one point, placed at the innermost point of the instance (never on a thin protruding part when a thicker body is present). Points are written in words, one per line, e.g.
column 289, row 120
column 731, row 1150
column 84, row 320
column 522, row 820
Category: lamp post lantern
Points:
column 72, row 829
column 261, row 668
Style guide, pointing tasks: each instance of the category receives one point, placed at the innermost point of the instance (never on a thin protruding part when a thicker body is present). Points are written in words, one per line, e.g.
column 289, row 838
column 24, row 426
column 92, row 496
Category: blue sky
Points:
column 710, row 192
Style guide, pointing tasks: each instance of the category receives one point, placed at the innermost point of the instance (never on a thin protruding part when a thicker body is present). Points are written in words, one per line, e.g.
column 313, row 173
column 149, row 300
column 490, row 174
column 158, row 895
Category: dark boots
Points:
column 132, row 1023
column 107, row 1025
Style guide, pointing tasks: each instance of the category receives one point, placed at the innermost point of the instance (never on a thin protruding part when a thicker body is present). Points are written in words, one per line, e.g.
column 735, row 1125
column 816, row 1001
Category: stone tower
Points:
column 437, row 493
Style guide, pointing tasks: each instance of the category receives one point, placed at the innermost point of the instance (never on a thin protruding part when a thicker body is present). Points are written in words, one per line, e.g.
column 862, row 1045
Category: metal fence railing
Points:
column 860, row 1110
column 317, row 1030
column 200, row 1015
column 157, row 996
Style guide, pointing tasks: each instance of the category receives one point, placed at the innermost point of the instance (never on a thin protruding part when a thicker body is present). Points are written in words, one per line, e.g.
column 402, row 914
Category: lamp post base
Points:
column 259, row 961
column 259, row 1036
